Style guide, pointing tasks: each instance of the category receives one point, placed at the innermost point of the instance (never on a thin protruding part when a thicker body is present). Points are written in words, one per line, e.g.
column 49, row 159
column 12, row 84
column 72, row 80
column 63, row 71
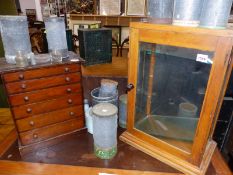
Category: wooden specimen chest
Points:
column 46, row 100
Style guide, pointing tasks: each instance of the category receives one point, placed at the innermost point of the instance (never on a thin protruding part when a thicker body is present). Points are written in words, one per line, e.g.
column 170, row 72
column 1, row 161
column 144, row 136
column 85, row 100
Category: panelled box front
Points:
column 46, row 102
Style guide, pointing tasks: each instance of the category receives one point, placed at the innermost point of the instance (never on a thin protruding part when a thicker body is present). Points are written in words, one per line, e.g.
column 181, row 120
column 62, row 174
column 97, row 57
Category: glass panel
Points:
column 171, row 87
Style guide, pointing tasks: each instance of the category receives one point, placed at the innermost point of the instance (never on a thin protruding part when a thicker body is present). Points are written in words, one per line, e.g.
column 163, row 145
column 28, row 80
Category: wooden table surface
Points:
column 74, row 154
column 77, row 149
column 118, row 68
column 6, row 123
column 7, row 129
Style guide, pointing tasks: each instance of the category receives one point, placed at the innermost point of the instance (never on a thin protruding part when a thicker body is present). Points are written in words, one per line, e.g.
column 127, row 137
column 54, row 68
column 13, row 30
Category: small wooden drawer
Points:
column 35, row 84
column 41, row 72
column 38, row 121
column 44, row 94
column 51, row 131
column 47, row 106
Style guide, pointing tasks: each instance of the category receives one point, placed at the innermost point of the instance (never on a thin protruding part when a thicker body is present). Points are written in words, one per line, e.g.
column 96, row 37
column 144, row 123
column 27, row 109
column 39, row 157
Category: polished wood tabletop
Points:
column 77, row 149
column 118, row 68
column 74, row 154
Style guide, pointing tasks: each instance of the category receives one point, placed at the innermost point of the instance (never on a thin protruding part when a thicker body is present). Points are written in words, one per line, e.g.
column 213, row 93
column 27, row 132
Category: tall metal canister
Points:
column 160, row 11
column 15, row 36
column 187, row 12
column 215, row 14
column 56, row 36
column 105, row 130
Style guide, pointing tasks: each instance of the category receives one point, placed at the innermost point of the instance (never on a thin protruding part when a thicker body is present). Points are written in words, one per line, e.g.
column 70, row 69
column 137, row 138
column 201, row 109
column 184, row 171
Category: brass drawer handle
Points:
column 23, row 86
column 26, row 98
column 71, row 113
column 35, row 136
column 29, row 110
column 67, row 79
column 67, row 69
column 69, row 101
column 68, row 90
column 31, row 123
column 21, row 76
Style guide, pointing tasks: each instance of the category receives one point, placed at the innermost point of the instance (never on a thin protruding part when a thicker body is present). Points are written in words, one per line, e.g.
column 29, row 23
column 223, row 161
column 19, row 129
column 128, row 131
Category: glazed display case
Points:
column 177, row 79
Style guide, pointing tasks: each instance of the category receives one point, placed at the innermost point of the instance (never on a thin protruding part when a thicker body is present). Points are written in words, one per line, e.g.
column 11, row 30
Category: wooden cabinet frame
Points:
column 218, row 41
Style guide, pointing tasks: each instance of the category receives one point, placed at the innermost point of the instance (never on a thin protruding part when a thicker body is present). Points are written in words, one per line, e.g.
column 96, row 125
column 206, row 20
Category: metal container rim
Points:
column 12, row 17
column 107, row 114
column 54, row 19
column 102, row 98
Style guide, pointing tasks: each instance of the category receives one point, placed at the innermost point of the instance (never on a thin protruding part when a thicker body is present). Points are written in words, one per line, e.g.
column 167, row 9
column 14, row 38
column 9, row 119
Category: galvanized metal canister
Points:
column 56, row 36
column 187, row 12
column 113, row 99
column 105, row 130
column 160, row 11
column 215, row 14
column 123, row 110
column 15, row 36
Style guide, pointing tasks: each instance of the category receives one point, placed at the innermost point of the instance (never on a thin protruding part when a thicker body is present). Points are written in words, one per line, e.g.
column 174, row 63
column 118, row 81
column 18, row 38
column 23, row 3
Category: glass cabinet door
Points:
column 170, row 91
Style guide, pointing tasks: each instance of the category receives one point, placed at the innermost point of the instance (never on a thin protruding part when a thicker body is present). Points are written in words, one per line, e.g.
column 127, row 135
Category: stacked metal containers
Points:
column 106, row 93
column 191, row 13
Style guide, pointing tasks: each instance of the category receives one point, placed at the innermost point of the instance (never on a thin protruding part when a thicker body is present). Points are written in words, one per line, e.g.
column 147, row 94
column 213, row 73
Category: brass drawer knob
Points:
column 68, row 90
column 23, row 86
column 35, row 136
column 31, row 123
column 26, row 98
column 69, row 101
column 21, row 76
column 67, row 69
column 29, row 110
column 67, row 79
column 71, row 113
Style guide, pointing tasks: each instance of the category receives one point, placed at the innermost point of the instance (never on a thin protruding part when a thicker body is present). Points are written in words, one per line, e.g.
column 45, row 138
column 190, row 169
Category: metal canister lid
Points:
column 104, row 110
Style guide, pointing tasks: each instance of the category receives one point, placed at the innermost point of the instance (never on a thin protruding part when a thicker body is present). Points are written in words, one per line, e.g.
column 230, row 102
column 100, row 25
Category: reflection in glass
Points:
column 170, row 91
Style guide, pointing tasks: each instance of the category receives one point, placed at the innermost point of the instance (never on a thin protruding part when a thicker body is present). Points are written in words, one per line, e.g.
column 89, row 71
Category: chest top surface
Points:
column 5, row 67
